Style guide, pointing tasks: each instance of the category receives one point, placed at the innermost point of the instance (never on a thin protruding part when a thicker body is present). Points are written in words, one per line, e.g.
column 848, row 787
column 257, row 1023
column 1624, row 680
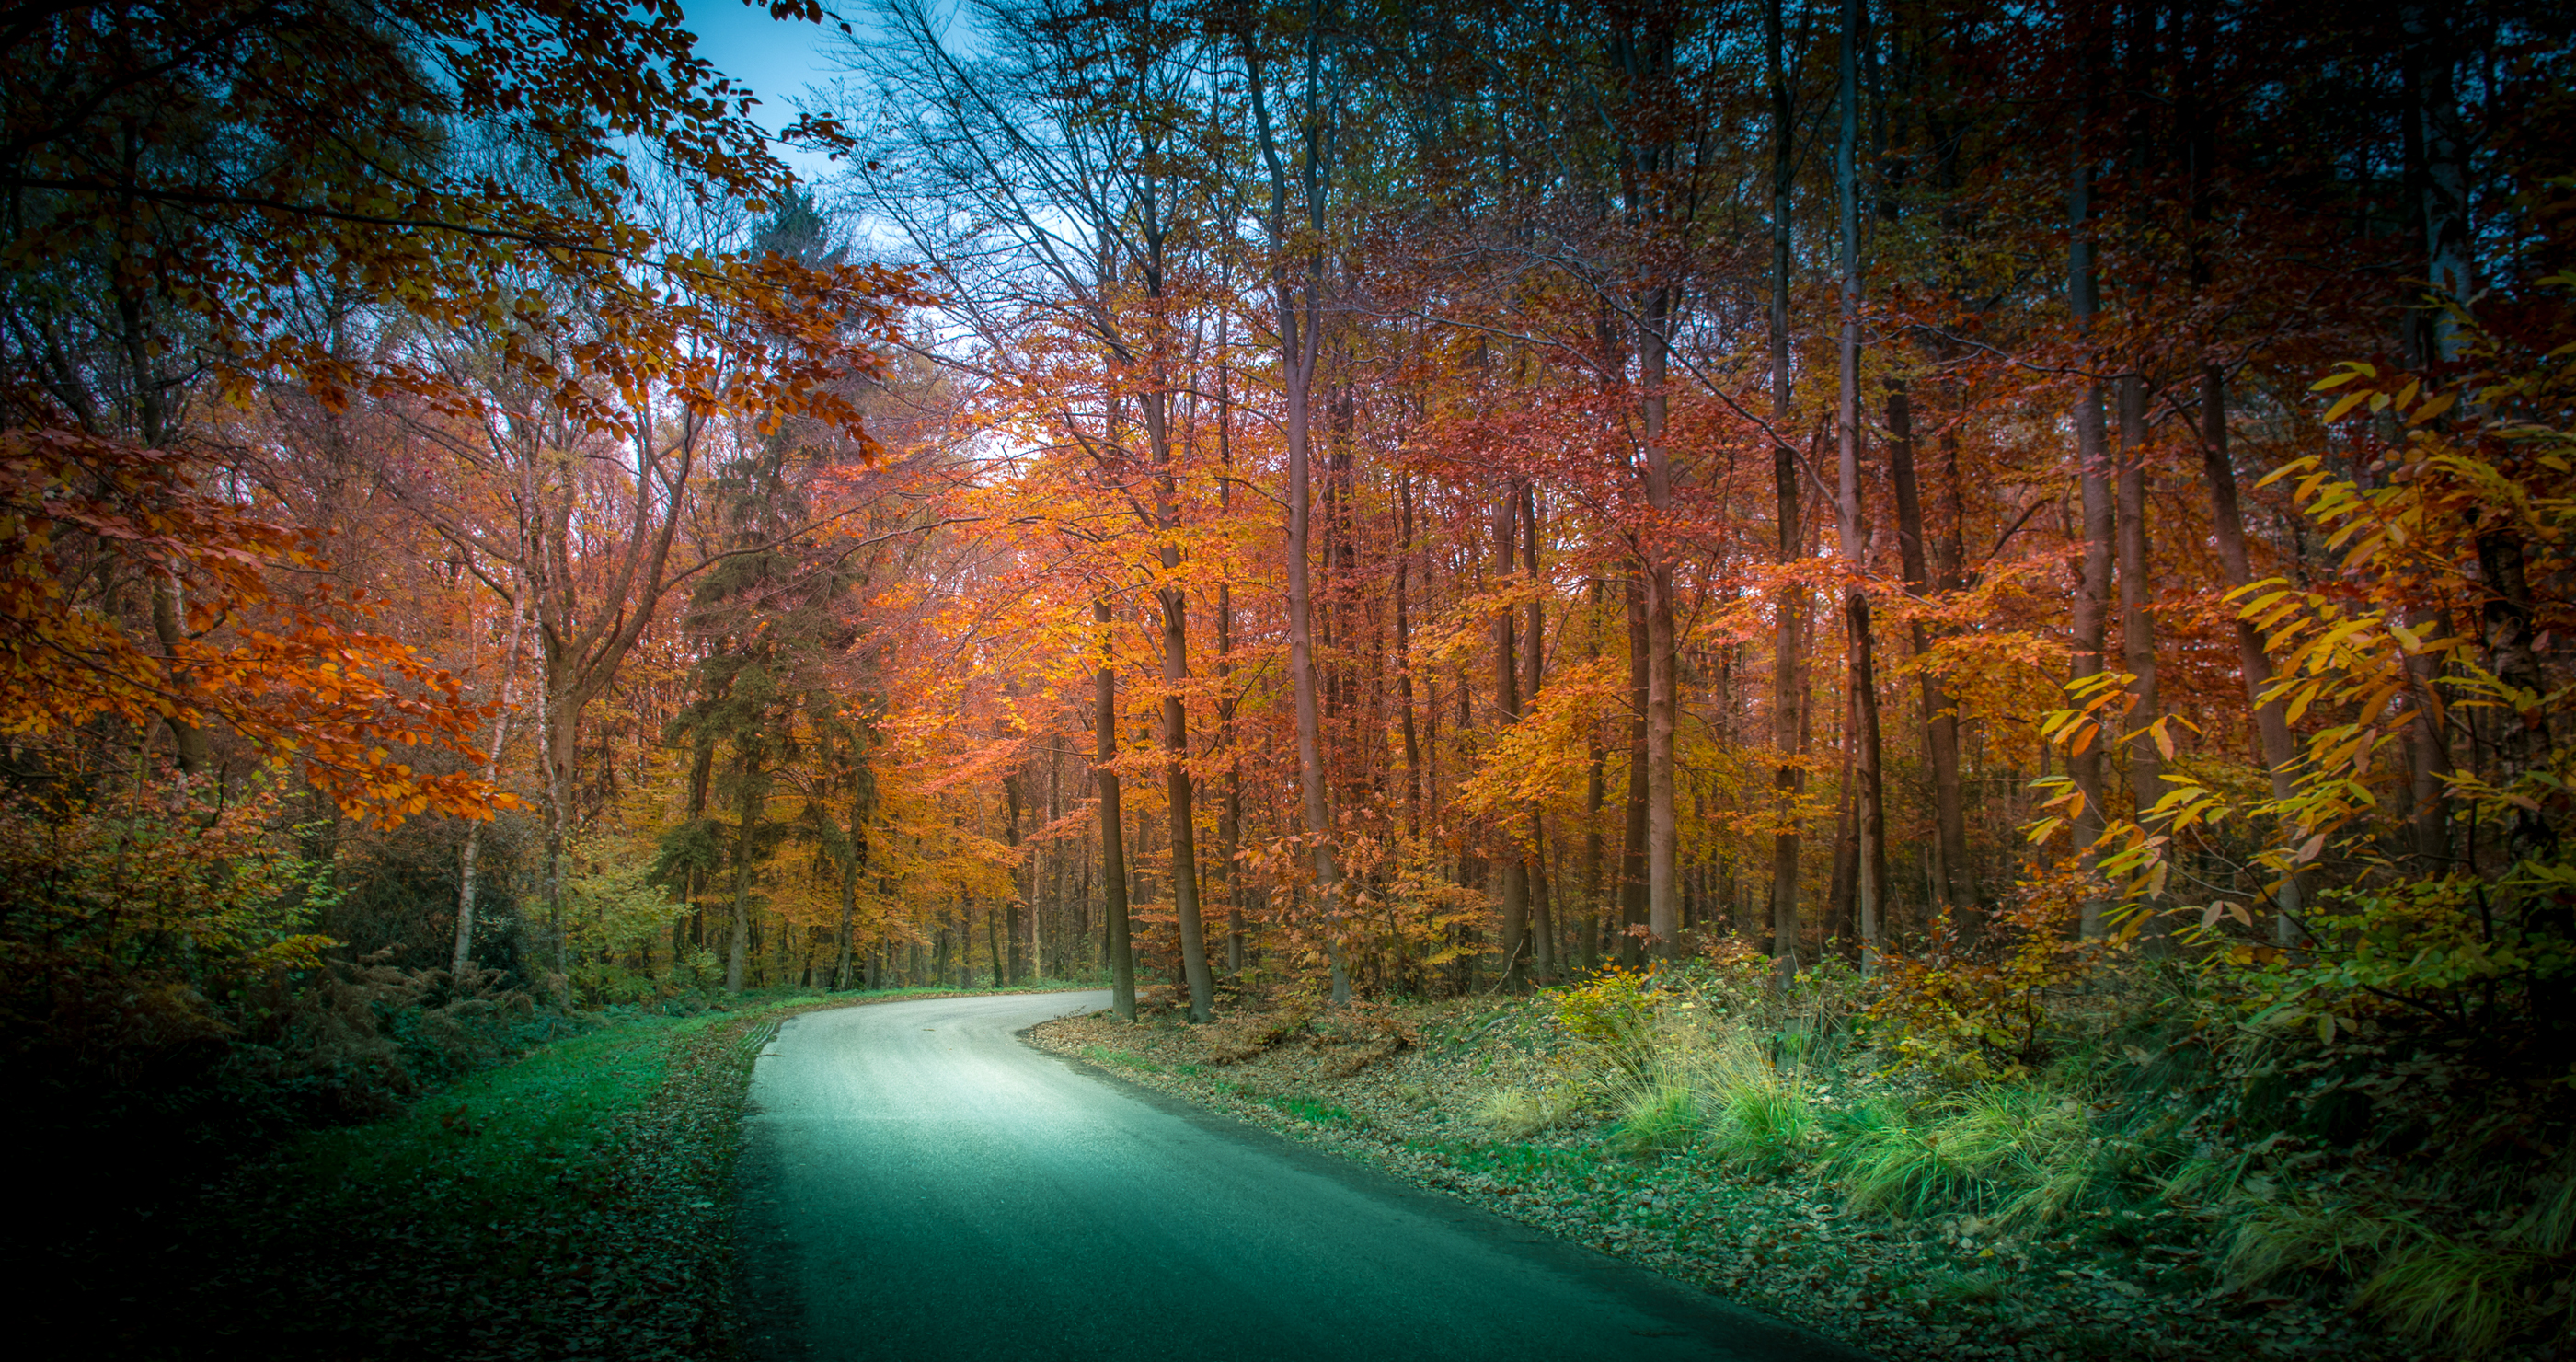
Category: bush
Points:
column 1988, row 1014
column 1614, row 1014
column 165, row 1008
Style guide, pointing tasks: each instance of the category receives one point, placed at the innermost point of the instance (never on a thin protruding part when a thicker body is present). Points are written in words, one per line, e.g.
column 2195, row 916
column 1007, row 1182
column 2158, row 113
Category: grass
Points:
column 1659, row 1119
column 2430, row 1286
column 575, row 1201
column 1518, row 1113
column 1307, row 1108
column 528, row 1134
column 2088, row 1208
column 2023, row 1154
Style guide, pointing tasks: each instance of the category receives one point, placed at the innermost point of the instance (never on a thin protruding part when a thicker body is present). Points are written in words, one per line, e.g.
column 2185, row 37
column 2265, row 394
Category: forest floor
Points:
column 574, row 1202
column 1410, row 1090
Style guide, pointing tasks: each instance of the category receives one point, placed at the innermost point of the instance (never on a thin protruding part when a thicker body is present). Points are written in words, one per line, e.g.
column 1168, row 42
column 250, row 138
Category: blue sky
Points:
column 776, row 59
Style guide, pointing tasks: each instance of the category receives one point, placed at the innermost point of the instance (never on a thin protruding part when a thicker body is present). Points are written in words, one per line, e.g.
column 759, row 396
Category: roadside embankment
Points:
column 574, row 1202
column 1499, row 1103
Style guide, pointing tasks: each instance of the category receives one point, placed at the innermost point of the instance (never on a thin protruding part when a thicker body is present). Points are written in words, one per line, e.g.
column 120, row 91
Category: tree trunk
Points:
column 993, row 943
column 1594, row 759
column 1786, row 780
column 464, row 957
column 1113, row 847
column 1632, row 858
column 2137, row 625
column 1950, row 881
column 1297, row 286
column 552, row 759
column 1176, row 778
column 1868, row 805
column 1019, row 867
column 850, row 873
column 738, row 944
column 2093, row 592
column 1533, row 674
column 1663, row 829
column 1514, row 937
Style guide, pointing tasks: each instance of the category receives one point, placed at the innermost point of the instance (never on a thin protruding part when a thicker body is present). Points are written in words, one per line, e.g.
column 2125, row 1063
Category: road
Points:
column 921, row 1185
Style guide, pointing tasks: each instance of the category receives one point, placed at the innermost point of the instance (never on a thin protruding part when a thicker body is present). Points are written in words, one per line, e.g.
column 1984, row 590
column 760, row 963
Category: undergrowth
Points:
column 2133, row 1114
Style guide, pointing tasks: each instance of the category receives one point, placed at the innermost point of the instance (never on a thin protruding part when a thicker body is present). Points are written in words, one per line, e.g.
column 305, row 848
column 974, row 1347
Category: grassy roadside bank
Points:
column 1473, row 1098
column 572, row 1203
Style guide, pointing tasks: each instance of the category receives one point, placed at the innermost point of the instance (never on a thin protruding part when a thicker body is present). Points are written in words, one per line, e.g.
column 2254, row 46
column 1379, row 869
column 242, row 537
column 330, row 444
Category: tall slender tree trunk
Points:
column 1185, row 860
column 1868, row 806
column 1940, row 721
column 2436, row 174
column 1632, row 859
column 1663, row 828
column 1514, row 942
column 551, row 760
column 2093, row 592
column 1297, row 287
column 465, row 876
column 1174, row 605
column 1229, row 821
column 1020, row 872
column 1413, row 791
column 746, row 837
column 850, row 873
column 1594, row 761
column 993, row 944
column 1113, row 846
column 1790, row 603
column 2137, row 623
column 1533, row 674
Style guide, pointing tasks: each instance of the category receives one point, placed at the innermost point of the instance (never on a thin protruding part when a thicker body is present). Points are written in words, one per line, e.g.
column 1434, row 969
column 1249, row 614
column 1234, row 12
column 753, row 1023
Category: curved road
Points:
column 923, row 1186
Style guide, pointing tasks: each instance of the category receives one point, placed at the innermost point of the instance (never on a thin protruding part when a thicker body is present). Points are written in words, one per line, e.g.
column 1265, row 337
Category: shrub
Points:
column 1985, row 1015
column 1613, row 1013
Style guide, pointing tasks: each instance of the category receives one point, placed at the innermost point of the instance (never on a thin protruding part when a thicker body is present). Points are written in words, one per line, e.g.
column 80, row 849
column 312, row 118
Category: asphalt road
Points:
column 921, row 1185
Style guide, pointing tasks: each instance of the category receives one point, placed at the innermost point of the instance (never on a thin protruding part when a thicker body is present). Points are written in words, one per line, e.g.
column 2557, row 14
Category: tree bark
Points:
column 1113, row 847
column 1950, row 886
column 738, row 942
column 1663, row 829
column 1533, row 674
column 1514, row 936
column 1176, row 748
column 1790, row 602
column 2137, row 624
column 464, row 956
column 1297, row 286
column 2093, row 592
column 1868, row 804
column 1632, row 859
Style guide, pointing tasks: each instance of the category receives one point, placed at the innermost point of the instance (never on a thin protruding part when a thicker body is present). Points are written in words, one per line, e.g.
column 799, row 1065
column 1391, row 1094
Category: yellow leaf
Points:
column 2334, row 381
column 2437, row 405
column 2346, row 403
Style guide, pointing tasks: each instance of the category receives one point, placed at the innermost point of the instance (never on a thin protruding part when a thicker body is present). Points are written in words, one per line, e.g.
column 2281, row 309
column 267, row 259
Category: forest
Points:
column 2034, row 541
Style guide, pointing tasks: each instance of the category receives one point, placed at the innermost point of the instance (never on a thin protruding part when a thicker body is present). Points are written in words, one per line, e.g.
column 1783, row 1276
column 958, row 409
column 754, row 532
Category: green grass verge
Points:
column 575, row 1202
